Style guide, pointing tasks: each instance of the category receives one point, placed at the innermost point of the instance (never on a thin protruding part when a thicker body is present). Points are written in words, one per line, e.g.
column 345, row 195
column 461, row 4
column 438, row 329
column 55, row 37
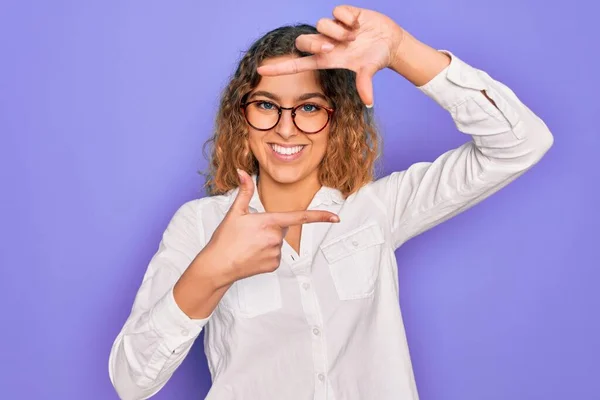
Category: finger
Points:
column 339, row 32
column 348, row 15
column 274, row 237
column 314, row 44
column 292, row 218
column 364, row 83
column 246, row 190
column 272, row 261
column 291, row 66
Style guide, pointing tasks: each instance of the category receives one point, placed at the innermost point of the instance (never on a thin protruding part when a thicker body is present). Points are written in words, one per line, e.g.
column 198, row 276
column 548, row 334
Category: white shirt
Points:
column 326, row 324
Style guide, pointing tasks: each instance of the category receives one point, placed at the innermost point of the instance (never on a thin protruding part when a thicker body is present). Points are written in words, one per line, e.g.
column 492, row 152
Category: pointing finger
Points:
column 287, row 219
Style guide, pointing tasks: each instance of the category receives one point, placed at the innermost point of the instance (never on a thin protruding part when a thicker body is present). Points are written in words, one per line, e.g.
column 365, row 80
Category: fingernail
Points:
column 334, row 219
column 239, row 172
column 327, row 47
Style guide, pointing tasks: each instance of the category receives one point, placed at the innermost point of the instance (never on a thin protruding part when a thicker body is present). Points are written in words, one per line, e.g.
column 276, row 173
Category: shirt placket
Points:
column 301, row 268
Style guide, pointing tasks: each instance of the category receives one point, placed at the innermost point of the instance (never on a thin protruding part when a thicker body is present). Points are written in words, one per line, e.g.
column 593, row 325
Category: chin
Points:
column 286, row 175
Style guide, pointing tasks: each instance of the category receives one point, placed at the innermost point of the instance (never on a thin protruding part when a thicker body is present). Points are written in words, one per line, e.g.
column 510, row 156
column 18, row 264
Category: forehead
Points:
column 289, row 86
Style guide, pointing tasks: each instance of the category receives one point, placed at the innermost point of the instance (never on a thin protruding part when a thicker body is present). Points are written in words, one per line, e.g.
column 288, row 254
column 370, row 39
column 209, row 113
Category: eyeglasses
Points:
column 308, row 117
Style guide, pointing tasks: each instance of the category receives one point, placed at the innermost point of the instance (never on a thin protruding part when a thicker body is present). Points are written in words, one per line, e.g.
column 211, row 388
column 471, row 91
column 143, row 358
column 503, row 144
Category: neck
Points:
column 284, row 197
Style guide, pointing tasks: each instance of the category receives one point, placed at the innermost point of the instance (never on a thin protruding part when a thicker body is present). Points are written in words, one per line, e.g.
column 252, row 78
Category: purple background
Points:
column 105, row 105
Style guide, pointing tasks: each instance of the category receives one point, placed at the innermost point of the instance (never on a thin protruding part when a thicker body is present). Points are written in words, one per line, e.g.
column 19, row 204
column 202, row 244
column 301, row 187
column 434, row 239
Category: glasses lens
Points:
column 262, row 115
column 311, row 118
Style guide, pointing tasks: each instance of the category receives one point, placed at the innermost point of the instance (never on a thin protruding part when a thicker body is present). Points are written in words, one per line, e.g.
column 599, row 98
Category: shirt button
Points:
column 316, row 331
column 321, row 377
column 305, row 285
column 354, row 243
column 185, row 332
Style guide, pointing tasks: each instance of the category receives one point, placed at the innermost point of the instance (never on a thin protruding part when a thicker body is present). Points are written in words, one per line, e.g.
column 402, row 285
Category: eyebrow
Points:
column 302, row 97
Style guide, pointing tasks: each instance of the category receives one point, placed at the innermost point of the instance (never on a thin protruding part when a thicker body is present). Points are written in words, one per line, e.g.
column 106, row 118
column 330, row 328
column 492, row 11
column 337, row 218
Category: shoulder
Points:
column 393, row 183
column 382, row 185
column 203, row 214
column 203, row 207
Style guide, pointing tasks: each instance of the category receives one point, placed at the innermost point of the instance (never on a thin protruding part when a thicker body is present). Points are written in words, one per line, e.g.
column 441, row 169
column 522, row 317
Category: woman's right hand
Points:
column 246, row 244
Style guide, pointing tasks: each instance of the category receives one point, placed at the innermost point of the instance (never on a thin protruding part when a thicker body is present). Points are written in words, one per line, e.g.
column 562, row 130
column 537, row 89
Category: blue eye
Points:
column 265, row 105
column 309, row 108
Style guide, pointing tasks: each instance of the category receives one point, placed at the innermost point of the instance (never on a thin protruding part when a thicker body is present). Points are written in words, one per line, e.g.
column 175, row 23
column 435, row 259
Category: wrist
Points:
column 416, row 61
column 201, row 287
column 397, row 45
column 210, row 268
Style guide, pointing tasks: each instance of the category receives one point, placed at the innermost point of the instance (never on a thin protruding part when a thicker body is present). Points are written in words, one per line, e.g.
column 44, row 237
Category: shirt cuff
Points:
column 173, row 324
column 455, row 84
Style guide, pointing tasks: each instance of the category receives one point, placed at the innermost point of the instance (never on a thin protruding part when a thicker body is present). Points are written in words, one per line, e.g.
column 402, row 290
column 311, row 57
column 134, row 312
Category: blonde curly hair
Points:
column 352, row 148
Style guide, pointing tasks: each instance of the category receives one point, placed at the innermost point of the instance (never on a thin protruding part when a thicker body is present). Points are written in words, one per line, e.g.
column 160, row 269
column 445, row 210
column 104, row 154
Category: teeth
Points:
column 286, row 151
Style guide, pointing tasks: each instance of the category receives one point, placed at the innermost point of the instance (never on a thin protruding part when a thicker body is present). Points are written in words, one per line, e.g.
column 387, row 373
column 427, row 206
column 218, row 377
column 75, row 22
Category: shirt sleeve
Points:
column 158, row 335
column 506, row 140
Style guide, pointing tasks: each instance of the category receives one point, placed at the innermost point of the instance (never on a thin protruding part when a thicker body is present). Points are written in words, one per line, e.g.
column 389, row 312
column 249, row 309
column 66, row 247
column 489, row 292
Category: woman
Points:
column 296, row 280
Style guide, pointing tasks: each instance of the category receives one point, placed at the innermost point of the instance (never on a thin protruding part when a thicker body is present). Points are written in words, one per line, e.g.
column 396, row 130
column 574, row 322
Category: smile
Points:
column 286, row 153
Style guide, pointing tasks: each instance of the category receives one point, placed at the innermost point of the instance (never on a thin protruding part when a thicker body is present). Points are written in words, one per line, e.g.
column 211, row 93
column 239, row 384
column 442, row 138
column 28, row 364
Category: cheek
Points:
column 320, row 145
column 255, row 142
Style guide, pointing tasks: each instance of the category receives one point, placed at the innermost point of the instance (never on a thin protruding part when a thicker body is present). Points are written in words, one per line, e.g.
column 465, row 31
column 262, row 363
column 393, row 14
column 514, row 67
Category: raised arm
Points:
column 507, row 137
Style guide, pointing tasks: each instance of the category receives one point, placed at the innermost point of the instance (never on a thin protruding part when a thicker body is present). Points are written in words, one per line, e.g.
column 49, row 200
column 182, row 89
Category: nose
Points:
column 286, row 128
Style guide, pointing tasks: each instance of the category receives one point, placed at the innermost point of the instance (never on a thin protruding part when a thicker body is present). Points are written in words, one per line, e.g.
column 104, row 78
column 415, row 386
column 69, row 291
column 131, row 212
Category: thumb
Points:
column 364, row 83
column 246, row 190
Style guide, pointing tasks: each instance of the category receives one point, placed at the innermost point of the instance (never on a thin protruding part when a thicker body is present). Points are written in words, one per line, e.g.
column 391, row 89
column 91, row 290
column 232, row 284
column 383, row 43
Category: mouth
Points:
column 287, row 153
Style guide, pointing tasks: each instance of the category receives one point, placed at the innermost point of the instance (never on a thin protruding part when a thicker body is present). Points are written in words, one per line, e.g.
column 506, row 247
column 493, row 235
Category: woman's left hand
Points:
column 357, row 39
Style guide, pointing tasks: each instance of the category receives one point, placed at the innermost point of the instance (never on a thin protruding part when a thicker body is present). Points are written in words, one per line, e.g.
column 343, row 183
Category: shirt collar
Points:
column 324, row 196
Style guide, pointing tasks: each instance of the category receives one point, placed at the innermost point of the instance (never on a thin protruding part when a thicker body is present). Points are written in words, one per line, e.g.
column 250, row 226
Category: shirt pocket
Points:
column 254, row 296
column 354, row 259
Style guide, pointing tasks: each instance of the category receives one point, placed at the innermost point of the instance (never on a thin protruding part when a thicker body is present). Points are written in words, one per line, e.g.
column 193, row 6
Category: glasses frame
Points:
column 280, row 110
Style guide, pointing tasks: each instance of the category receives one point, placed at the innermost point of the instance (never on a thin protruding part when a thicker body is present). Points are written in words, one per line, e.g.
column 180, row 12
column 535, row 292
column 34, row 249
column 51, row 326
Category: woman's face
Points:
column 284, row 152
